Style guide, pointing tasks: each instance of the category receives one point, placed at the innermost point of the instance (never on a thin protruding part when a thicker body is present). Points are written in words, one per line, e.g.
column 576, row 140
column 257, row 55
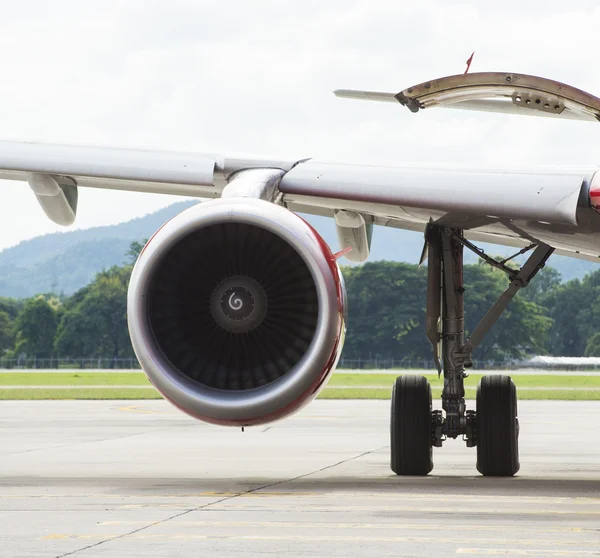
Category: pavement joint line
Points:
column 321, row 538
column 355, row 525
column 420, row 509
column 496, row 498
column 544, row 553
column 210, row 504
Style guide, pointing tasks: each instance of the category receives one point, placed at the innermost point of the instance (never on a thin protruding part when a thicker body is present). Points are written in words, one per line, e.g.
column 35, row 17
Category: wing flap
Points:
column 492, row 92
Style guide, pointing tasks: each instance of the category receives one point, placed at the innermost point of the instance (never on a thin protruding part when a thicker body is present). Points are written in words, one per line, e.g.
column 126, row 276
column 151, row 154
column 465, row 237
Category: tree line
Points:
column 386, row 316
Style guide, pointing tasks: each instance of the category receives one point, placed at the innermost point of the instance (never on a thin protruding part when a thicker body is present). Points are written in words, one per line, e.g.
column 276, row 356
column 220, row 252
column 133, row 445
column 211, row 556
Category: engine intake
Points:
column 236, row 311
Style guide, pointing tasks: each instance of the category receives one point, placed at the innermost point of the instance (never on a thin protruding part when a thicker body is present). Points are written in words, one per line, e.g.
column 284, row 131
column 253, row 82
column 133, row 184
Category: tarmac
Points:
column 123, row 479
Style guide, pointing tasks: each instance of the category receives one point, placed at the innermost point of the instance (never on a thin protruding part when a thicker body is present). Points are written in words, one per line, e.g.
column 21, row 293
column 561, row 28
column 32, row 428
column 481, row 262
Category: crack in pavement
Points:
column 84, row 442
column 225, row 499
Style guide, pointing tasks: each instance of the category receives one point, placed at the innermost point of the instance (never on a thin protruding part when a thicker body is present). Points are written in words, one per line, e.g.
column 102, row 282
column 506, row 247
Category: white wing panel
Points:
column 544, row 197
column 99, row 166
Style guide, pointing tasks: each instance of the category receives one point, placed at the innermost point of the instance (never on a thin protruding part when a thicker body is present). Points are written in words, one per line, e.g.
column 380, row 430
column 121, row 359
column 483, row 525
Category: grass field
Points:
column 134, row 385
column 94, row 378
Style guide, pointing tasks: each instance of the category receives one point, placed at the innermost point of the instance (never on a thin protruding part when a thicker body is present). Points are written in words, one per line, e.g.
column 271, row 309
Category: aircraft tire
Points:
column 497, row 427
column 410, row 426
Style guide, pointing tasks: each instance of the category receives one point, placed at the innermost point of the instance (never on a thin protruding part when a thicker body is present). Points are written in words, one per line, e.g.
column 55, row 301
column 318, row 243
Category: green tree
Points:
column 94, row 323
column 592, row 348
column 386, row 302
column 11, row 306
column 134, row 251
column 575, row 310
column 523, row 327
column 546, row 280
column 386, row 306
column 35, row 327
column 6, row 332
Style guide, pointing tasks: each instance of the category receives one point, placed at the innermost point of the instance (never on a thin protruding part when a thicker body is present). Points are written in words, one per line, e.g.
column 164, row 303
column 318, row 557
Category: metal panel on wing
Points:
column 19, row 159
column 544, row 197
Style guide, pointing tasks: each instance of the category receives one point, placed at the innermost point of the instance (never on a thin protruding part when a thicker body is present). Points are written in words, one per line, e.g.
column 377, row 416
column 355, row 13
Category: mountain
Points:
column 64, row 262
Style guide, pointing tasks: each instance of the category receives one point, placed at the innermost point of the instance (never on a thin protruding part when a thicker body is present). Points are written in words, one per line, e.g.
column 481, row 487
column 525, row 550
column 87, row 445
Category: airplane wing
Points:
column 514, row 208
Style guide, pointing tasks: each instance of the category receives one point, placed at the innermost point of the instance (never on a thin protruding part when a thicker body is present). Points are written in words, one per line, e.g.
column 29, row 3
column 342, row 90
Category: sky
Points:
column 256, row 76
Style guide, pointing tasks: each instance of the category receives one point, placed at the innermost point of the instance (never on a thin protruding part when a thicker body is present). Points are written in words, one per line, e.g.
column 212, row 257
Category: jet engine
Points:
column 236, row 311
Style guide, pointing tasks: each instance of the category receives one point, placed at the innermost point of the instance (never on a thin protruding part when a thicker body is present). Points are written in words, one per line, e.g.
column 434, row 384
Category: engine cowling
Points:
column 236, row 311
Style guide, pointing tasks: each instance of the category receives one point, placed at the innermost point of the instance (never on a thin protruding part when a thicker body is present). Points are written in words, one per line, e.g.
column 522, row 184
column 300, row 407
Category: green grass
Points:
column 98, row 378
column 127, row 385
column 533, row 380
column 73, row 379
column 384, row 393
column 79, row 393
column 126, row 393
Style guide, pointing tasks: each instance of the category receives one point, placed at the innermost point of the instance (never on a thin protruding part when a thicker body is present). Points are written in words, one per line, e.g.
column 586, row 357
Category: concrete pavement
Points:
column 102, row 478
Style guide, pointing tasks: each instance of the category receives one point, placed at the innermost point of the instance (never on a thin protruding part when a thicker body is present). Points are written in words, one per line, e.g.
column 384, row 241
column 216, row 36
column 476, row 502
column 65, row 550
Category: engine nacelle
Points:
column 236, row 311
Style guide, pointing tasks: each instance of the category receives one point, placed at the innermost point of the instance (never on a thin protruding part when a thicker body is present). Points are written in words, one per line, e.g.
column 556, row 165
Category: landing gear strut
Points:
column 494, row 426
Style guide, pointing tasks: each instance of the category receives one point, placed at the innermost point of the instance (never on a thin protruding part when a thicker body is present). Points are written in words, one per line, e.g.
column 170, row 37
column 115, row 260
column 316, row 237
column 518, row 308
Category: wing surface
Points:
column 512, row 195
column 513, row 208
column 55, row 171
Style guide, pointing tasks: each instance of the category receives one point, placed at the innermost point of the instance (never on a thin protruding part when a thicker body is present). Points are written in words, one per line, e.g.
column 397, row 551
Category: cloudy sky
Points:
column 252, row 76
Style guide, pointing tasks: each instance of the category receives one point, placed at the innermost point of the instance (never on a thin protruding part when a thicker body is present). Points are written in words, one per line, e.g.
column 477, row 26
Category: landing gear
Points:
column 494, row 426
column 410, row 426
column 497, row 427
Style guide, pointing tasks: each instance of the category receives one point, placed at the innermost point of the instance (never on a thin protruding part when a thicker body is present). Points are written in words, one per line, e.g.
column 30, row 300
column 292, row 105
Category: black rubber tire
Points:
column 410, row 426
column 497, row 427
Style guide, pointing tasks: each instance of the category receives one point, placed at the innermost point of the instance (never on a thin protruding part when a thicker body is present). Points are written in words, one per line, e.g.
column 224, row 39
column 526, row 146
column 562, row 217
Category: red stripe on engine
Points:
column 595, row 198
